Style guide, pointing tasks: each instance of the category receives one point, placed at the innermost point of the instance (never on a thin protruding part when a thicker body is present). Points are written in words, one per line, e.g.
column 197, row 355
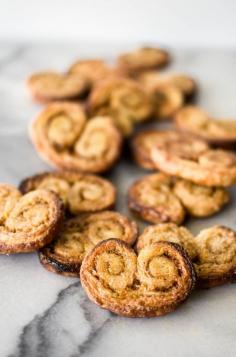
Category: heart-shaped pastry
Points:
column 79, row 235
column 64, row 138
column 212, row 251
column 50, row 86
column 152, row 283
column 27, row 222
column 80, row 193
column 143, row 59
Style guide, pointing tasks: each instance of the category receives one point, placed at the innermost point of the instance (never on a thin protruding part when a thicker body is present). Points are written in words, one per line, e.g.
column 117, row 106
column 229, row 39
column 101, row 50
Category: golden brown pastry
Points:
column 200, row 201
column 182, row 82
column 27, row 222
column 143, row 142
column 80, row 193
column 79, row 235
column 152, row 199
column 216, row 263
column 152, row 283
column 191, row 159
column 167, row 99
column 93, row 70
column 51, row 86
column 143, row 59
column 168, row 232
column 64, row 138
column 122, row 99
column 218, row 132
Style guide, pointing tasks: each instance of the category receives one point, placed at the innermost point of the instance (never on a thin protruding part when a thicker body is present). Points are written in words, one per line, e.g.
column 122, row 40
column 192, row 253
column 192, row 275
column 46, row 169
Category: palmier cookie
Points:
column 152, row 283
column 191, row 159
column 198, row 200
column 51, row 86
column 217, row 132
column 216, row 262
column 124, row 100
column 79, row 235
column 80, row 193
column 64, row 138
column 27, row 222
column 143, row 142
column 182, row 82
column 93, row 70
column 168, row 232
column 152, row 199
column 143, row 59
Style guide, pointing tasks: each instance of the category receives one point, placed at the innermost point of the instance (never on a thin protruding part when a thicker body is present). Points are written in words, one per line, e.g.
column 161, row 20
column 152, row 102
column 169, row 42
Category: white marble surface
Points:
column 43, row 314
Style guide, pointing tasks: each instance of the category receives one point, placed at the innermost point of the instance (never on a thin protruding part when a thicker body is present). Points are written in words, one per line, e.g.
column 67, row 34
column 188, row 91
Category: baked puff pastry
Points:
column 79, row 235
column 51, row 86
column 80, row 193
column 152, row 283
column 27, row 222
column 122, row 99
column 161, row 198
column 212, row 251
column 216, row 262
column 217, row 132
column 143, row 59
column 193, row 160
column 64, row 138
column 152, row 199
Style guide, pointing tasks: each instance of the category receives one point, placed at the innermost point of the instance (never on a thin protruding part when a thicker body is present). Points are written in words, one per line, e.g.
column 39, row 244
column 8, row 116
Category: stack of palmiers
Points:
column 68, row 216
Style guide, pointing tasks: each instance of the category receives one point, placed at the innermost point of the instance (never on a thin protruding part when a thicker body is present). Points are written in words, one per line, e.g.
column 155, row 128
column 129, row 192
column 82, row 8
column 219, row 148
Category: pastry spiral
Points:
column 200, row 201
column 194, row 121
column 65, row 139
column 79, row 235
column 80, row 193
column 182, row 82
column 191, row 159
column 152, row 199
column 124, row 100
column 153, row 283
column 143, row 59
column 51, row 86
column 216, row 263
column 168, row 232
column 27, row 222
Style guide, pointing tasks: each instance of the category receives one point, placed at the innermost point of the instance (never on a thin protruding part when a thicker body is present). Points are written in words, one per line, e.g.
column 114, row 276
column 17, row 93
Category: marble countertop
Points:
column 43, row 314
